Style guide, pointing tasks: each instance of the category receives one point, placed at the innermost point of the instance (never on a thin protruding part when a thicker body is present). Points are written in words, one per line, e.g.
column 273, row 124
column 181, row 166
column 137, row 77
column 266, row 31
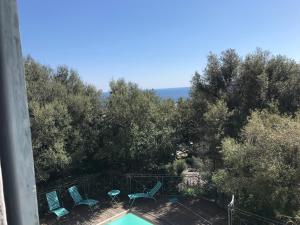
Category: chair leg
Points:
column 130, row 204
column 92, row 208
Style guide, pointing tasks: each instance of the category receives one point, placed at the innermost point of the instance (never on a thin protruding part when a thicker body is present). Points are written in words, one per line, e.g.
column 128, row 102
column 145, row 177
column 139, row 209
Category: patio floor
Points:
column 184, row 212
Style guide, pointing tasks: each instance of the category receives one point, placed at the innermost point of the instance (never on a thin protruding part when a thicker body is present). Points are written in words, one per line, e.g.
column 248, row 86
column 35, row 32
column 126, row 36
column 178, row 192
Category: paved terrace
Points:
column 187, row 211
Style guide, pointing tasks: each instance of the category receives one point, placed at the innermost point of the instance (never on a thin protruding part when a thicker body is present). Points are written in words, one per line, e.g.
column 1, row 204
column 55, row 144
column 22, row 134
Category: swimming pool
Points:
column 130, row 219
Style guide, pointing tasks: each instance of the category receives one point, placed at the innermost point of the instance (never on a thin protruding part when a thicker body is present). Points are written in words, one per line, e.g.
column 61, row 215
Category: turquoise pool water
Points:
column 130, row 219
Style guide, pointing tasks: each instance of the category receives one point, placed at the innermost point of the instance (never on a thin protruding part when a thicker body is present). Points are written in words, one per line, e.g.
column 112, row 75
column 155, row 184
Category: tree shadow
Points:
column 185, row 211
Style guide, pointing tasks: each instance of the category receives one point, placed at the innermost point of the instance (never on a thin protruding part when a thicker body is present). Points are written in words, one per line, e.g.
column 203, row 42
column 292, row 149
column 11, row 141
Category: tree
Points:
column 262, row 169
column 66, row 120
column 139, row 132
column 284, row 83
column 216, row 119
column 50, row 125
column 210, row 95
column 252, row 83
column 241, row 123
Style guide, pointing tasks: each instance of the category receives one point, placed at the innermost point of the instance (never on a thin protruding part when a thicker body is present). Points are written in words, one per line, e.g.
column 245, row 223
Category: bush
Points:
column 191, row 192
column 262, row 168
column 196, row 163
column 179, row 166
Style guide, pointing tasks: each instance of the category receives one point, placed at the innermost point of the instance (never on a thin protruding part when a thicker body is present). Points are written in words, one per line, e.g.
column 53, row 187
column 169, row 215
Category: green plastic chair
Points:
column 54, row 205
column 149, row 194
column 78, row 200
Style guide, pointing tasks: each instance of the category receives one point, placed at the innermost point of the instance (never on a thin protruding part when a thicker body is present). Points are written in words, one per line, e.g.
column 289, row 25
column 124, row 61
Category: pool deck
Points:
column 194, row 211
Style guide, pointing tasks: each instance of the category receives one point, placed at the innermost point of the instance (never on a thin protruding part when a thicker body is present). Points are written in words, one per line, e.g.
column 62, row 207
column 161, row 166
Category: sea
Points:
column 166, row 93
column 173, row 93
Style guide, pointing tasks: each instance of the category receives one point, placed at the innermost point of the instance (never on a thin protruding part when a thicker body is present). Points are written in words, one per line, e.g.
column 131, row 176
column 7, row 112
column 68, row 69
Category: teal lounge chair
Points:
column 78, row 200
column 149, row 194
column 54, row 205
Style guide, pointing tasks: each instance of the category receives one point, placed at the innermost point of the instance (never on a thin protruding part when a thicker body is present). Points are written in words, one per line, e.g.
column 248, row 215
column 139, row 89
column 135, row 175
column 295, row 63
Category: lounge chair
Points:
column 78, row 200
column 148, row 194
column 54, row 205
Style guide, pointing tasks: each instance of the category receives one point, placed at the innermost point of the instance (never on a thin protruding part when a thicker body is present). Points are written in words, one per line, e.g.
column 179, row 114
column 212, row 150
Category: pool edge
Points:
column 113, row 217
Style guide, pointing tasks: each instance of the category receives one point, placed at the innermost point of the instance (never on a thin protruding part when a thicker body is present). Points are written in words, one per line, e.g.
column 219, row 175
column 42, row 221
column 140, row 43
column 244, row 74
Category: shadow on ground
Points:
column 186, row 211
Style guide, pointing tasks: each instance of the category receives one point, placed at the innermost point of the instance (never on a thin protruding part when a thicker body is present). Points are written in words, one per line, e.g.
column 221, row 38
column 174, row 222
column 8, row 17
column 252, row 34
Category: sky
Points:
column 154, row 43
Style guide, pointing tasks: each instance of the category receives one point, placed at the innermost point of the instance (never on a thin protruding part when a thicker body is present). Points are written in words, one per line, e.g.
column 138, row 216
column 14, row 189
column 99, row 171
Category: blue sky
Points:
column 155, row 43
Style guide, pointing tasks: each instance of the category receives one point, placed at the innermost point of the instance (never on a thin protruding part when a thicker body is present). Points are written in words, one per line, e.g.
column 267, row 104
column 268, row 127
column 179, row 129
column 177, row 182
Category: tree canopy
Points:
column 240, row 126
column 262, row 168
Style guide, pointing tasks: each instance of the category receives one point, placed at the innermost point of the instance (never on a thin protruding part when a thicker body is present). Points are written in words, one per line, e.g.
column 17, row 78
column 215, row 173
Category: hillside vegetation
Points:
column 241, row 124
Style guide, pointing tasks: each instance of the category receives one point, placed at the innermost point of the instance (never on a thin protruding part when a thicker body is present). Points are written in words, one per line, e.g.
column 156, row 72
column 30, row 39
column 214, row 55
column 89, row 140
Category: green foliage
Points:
column 176, row 167
column 191, row 192
column 139, row 128
column 179, row 166
column 196, row 162
column 230, row 89
column 209, row 115
column 74, row 131
column 215, row 119
column 65, row 118
column 49, row 126
column 222, row 99
column 184, row 125
column 262, row 169
column 240, row 127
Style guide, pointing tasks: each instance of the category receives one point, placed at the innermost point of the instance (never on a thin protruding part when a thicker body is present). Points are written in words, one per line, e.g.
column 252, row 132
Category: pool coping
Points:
column 113, row 217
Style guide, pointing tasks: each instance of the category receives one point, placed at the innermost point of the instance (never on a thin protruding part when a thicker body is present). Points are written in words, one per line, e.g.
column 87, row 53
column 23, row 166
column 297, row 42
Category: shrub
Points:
column 262, row 168
column 179, row 166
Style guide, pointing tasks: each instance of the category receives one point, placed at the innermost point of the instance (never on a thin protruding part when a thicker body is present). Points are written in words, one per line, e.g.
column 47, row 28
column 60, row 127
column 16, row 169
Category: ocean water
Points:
column 173, row 93
column 165, row 93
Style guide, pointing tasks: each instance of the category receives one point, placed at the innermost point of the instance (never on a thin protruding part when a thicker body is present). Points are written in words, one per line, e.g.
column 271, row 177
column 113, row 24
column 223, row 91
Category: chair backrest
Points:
column 75, row 194
column 155, row 189
column 52, row 200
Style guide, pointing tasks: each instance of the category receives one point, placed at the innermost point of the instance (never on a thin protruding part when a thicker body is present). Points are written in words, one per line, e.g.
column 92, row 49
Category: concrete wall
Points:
column 15, row 137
